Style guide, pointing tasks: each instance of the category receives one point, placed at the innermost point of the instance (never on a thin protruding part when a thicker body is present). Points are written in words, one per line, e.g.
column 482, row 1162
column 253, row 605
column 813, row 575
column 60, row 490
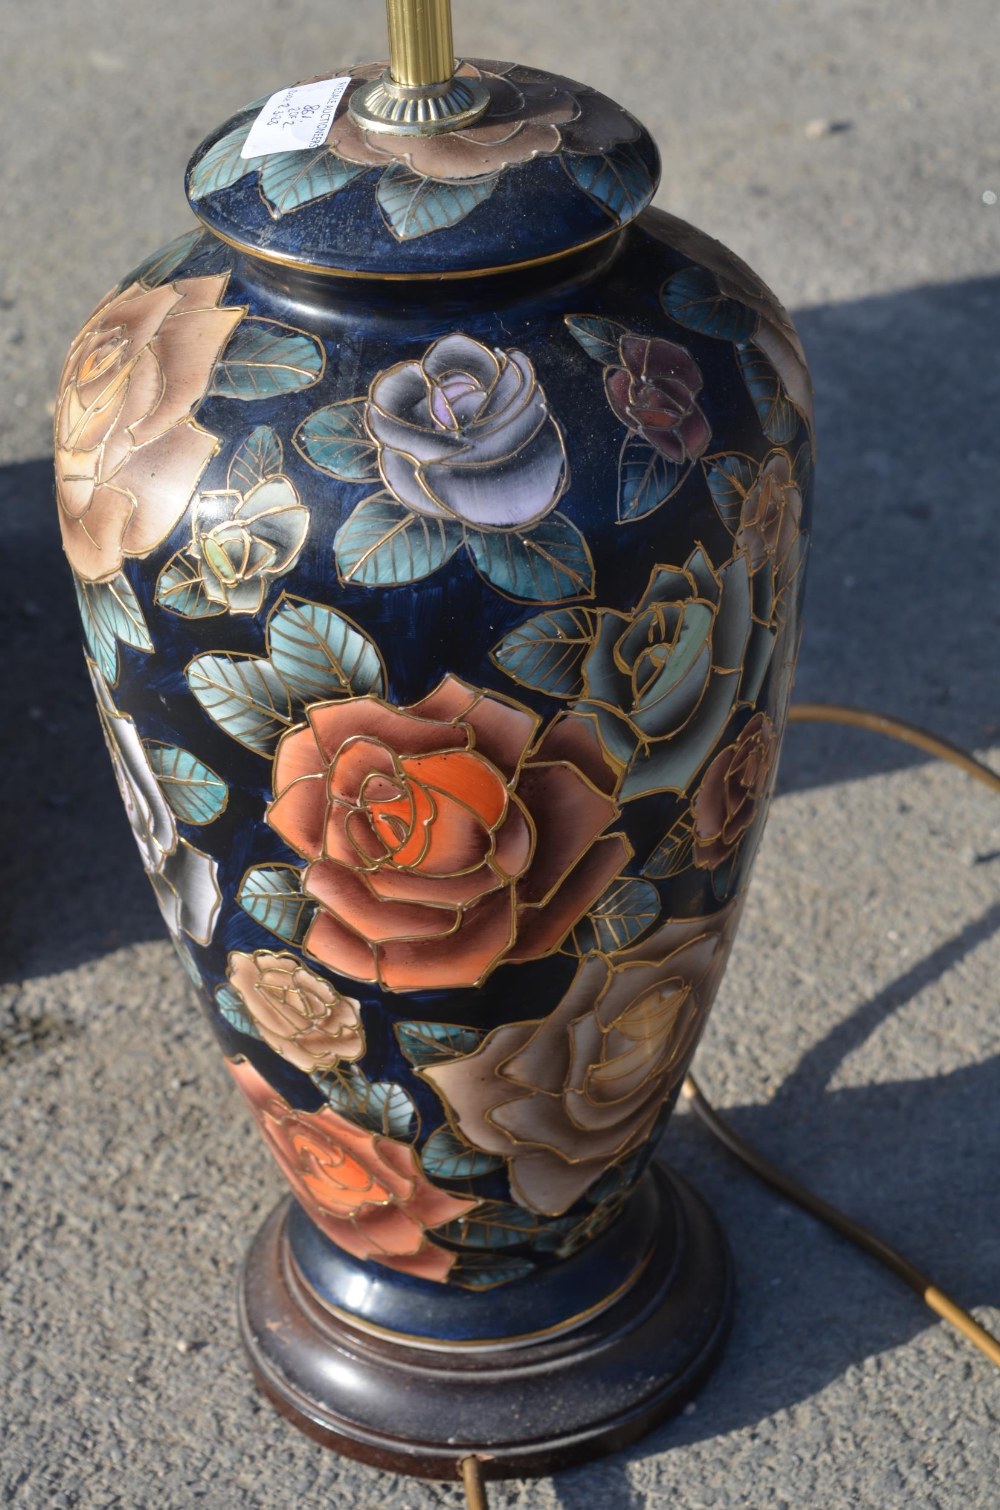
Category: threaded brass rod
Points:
column 421, row 49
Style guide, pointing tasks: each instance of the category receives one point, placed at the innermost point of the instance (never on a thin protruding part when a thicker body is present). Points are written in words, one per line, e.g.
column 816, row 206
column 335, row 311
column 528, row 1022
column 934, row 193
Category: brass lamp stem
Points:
column 421, row 50
column 422, row 91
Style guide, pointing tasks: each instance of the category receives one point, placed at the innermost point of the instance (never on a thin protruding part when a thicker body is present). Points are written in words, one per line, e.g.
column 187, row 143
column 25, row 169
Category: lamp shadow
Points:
column 911, row 1159
column 898, row 616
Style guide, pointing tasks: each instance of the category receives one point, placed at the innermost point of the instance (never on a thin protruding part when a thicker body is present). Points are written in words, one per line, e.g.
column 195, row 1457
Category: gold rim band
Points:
column 279, row 259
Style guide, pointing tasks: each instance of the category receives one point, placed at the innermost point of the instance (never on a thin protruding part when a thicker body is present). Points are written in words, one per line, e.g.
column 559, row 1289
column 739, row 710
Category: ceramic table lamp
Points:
column 438, row 512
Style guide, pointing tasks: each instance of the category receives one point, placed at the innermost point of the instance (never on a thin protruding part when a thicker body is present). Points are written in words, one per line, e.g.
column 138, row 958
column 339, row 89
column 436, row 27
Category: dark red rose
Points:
column 655, row 393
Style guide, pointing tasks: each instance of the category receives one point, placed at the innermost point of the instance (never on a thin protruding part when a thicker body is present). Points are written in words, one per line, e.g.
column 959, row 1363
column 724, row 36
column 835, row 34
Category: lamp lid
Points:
column 493, row 166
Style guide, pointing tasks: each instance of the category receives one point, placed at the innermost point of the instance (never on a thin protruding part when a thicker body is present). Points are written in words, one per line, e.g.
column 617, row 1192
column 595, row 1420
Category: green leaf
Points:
column 272, row 896
column 550, row 561
column 335, row 440
column 158, row 268
column 432, row 1042
column 99, row 640
column 481, row 1271
column 180, row 589
column 288, row 180
column 255, row 459
column 382, row 544
column 195, row 793
column 730, row 477
column 415, row 206
column 673, row 853
column 626, row 910
column 618, row 180
column 244, row 696
column 692, row 298
column 447, row 1157
column 382, row 1106
column 779, row 418
column 222, row 166
column 494, row 1224
column 598, row 337
column 319, row 654
column 232, row 1010
column 646, row 479
column 264, row 358
column 548, row 651
column 116, row 606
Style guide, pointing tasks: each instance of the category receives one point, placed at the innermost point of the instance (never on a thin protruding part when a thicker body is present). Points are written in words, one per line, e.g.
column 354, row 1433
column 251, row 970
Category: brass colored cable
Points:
column 922, row 1285
column 472, row 1482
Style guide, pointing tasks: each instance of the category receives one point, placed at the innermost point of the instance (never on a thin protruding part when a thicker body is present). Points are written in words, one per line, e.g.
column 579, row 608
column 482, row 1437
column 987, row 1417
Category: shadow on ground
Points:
column 902, row 611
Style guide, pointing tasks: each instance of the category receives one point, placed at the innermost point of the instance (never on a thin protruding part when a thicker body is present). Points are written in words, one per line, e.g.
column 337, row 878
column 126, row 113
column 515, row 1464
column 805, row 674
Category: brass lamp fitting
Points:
column 420, row 93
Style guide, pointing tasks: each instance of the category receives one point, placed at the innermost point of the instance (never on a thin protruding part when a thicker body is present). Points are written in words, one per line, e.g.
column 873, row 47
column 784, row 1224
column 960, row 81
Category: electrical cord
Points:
column 942, row 1304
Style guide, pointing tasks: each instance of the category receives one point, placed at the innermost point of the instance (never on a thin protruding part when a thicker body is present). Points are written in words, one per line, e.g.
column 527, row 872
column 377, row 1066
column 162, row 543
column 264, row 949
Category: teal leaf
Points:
column 802, row 467
column 382, row 544
column 116, row 606
column 232, row 1010
column 180, row 589
column 730, row 477
column 673, row 853
column 264, row 358
column 624, row 912
column 646, row 479
column 335, row 440
column 272, row 896
column 158, row 268
column 195, row 793
column 258, row 457
column 415, row 206
column 494, row 1224
column 550, row 561
column 288, row 180
column 483, row 1271
column 222, row 166
column 244, row 696
column 381, row 1106
column 431, row 1042
column 101, row 644
column 598, row 337
column 692, row 298
column 447, row 1157
column 547, row 653
column 319, row 654
column 779, row 418
column 618, row 180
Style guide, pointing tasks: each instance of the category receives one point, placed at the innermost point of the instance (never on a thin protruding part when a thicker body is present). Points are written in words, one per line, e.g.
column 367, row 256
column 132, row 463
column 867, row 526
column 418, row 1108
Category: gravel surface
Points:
column 847, row 149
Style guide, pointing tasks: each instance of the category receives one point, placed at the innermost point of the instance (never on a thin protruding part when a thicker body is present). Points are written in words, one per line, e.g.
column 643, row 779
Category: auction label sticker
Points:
column 295, row 119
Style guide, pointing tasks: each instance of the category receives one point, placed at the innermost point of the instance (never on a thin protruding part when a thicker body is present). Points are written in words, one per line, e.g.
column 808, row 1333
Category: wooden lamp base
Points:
column 524, row 1405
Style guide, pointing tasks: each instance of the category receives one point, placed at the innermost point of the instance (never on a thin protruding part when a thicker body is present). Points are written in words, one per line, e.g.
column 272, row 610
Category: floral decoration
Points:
column 297, row 1013
column 731, row 792
column 128, row 450
column 446, row 837
column 661, row 681
column 364, row 1192
column 654, row 392
column 565, row 1097
column 185, row 880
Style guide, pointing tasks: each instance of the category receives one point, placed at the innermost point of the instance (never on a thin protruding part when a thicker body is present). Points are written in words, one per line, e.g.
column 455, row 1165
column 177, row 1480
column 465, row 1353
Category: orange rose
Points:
column 364, row 1192
column 442, row 839
column 297, row 1013
column 128, row 453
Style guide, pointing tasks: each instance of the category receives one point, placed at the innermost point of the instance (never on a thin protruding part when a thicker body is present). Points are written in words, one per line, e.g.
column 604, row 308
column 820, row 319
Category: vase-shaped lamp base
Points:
column 523, row 1405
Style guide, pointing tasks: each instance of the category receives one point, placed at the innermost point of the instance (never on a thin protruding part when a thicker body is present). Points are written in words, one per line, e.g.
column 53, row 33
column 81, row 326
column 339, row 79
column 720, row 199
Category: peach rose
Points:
column 443, row 838
column 771, row 515
column 128, row 452
column 565, row 1097
column 364, row 1192
column 731, row 792
column 297, row 1013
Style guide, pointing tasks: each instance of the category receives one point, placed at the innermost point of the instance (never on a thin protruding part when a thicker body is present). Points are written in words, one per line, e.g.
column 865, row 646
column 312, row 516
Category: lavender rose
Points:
column 465, row 433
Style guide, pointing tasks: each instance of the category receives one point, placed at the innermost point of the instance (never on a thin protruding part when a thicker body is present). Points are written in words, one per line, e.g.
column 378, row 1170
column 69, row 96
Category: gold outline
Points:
column 433, row 1344
column 256, row 254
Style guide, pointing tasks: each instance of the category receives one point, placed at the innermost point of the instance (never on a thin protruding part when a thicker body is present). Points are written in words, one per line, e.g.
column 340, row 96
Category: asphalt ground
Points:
column 848, row 150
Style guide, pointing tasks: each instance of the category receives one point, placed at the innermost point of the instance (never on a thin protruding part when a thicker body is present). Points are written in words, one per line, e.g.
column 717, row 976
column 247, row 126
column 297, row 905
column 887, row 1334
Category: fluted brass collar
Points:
column 420, row 93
